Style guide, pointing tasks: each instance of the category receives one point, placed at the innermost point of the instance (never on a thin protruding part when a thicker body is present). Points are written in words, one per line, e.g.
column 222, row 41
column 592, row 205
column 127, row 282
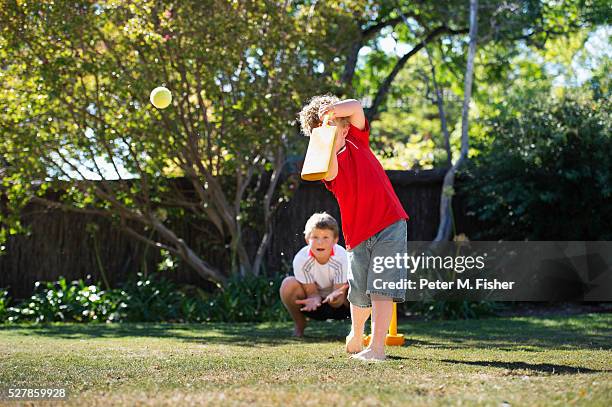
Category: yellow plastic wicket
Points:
column 393, row 338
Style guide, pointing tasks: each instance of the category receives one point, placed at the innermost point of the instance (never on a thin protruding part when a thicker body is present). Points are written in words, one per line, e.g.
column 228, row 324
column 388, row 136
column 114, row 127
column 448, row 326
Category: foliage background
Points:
column 74, row 112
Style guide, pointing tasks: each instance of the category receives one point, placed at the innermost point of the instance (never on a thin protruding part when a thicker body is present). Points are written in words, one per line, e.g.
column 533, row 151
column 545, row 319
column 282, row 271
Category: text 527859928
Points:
column 33, row 393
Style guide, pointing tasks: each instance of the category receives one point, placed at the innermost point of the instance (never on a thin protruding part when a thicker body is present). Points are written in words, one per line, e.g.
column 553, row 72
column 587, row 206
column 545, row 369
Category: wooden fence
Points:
column 75, row 245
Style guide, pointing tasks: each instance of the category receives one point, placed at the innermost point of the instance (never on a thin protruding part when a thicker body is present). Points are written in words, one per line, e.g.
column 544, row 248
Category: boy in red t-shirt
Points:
column 373, row 221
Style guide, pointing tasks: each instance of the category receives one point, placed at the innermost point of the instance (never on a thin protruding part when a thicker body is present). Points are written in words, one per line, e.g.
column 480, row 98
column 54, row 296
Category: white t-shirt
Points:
column 307, row 269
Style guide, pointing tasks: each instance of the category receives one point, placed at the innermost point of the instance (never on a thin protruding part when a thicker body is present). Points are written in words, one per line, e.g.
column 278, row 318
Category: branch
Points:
column 148, row 241
column 370, row 32
column 366, row 35
column 58, row 205
column 439, row 99
column 386, row 85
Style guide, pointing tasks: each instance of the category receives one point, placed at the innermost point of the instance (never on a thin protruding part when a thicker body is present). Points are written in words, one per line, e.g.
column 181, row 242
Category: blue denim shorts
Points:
column 368, row 272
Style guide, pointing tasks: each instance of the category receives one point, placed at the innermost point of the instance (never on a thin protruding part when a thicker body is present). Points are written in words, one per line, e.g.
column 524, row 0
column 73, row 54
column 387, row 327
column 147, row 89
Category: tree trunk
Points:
column 269, row 210
column 446, row 197
column 351, row 63
column 187, row 254
column 439, row 97
column 441, row 113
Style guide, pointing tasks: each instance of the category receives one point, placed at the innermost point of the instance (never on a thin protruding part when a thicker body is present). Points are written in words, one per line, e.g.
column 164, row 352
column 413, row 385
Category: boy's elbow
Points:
column 333, row 173
column 330, row 177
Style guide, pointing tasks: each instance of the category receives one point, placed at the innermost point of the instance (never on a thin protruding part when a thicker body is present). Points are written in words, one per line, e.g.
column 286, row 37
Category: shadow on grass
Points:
column 241, row 334
column 546, row 368
column 532, row 334
column 394, row 357
column 591, row 331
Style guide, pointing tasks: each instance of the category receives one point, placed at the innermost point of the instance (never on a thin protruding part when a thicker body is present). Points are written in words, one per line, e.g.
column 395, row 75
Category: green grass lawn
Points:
column 521, row 360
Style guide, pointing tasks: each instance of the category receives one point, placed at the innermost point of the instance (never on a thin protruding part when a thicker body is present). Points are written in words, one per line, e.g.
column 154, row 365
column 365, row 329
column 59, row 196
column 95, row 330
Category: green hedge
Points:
column 545, row 173
column 148, row 299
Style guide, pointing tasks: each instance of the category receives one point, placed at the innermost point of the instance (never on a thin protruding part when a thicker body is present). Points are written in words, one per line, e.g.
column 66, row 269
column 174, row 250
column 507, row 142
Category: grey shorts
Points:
column 368, row 270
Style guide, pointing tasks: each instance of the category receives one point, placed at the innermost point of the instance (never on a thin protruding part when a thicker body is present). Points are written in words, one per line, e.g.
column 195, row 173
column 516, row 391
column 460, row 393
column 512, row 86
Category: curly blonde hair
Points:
column 309, row 116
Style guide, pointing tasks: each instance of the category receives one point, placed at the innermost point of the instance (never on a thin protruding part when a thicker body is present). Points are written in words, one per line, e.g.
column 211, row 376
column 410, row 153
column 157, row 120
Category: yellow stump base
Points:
column 391, row 340
column 395, row 340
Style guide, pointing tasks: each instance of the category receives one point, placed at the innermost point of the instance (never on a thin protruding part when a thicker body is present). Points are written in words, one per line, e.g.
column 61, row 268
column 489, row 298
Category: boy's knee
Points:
column 289, row 281
column 289, row 286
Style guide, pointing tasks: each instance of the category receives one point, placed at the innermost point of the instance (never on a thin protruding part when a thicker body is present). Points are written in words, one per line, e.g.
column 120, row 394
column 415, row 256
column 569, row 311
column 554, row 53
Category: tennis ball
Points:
column 161, row 97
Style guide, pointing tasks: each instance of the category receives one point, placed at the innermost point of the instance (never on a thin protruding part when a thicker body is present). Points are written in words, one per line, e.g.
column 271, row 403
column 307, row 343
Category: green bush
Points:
column 4, row 304
column 142, row 299
column 248, row 299
column 65, row 301
column 153, row 298
column 544, row 174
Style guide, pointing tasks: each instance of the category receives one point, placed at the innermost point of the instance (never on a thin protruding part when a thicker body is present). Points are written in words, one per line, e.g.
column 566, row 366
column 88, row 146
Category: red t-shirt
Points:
column 367, row 201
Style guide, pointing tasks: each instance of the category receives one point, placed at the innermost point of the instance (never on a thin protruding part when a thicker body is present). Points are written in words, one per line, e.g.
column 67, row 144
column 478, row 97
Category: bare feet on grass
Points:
column 370, row 355
column 354, row 343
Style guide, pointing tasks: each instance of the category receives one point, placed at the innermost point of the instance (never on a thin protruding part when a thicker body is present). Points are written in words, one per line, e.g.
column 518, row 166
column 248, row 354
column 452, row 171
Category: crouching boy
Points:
column 317, row 290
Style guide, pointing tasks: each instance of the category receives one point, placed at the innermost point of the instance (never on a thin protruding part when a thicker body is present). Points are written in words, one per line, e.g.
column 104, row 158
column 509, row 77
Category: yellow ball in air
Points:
column 161, row 97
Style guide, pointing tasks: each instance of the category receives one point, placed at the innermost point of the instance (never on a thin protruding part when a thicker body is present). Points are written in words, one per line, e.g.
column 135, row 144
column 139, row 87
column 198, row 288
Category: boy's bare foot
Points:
column 354, row 343
column 298, row 331
column 370, row 355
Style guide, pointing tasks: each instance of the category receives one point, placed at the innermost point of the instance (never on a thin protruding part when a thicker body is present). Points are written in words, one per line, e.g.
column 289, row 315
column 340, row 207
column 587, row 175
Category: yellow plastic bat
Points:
column 319, row 153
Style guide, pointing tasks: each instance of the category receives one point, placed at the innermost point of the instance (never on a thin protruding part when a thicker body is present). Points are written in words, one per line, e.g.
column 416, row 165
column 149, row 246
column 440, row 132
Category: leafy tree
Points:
column 405, row 96
column 75, row 116
column 517, row 42
column 546, row 173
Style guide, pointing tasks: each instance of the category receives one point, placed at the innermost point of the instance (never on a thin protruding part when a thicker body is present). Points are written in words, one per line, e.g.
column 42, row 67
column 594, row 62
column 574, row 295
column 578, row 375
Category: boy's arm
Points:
column 336, row 297
column 313, row 298
column 333, row 166
column 350, row 108
column 341, row 286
